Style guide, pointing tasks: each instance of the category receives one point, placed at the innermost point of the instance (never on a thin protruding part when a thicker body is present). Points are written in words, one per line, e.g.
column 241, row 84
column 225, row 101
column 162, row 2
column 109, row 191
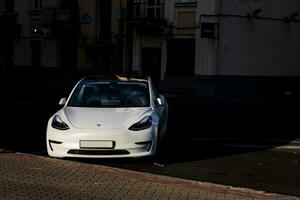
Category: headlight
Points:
column 57, row 123
column 145, row 123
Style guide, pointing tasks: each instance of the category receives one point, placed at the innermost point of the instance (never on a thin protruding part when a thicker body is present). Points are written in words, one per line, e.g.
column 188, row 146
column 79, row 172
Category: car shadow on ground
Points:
column 201, row 144
column 191, row 131
column 197, row 134
column 179, row 151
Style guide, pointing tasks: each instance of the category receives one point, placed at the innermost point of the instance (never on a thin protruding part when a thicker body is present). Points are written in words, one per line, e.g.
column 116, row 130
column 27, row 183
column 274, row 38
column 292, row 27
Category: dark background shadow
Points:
column 28, row 102
column 201, row 136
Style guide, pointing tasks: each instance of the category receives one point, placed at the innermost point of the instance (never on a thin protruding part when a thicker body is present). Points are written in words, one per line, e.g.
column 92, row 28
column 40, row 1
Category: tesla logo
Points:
column 98, row 125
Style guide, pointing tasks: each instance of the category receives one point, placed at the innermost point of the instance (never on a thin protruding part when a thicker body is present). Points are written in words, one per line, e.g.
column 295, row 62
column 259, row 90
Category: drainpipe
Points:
column 120, row 35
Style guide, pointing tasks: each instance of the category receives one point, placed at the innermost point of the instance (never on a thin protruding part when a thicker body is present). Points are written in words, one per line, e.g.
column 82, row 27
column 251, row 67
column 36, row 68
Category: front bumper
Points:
column 126, row 143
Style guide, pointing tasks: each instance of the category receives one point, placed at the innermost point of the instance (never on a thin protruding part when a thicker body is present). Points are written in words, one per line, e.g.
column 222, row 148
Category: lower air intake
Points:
column 98, row 152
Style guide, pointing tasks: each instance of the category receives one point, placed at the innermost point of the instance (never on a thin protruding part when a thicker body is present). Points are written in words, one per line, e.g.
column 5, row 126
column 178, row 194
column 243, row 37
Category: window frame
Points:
column 36, row 4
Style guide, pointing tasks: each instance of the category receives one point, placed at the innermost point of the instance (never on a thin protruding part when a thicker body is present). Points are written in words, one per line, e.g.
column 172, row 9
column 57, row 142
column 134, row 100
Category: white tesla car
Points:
column 107, row 118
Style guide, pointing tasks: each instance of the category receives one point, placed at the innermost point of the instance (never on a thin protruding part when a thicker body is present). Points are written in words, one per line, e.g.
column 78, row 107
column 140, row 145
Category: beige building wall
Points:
column 90, row 41
column 144, row 40
column 88, row 32
column 182, row 15
column 115, row 14
column 89, row 7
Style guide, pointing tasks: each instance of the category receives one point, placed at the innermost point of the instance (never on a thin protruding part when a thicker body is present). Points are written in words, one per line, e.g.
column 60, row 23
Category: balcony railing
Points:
column 58, row 22
column 34, row 12
column 148, row 9
column 55, row 15
column 48, row 15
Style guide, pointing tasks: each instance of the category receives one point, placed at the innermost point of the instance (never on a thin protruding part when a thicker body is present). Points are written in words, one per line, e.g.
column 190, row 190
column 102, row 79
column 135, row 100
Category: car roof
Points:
column 115, row 77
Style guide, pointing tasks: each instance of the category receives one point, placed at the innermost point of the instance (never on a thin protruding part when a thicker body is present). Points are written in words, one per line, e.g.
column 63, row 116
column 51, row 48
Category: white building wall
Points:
column 270, row 8
column 206, row 49
column 249, row 47
column 169, row 14
column 170, row 11
column 259, row 47
column 207, row 7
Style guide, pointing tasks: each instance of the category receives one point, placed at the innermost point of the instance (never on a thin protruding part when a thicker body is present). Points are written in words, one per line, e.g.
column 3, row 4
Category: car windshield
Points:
column 110, row 94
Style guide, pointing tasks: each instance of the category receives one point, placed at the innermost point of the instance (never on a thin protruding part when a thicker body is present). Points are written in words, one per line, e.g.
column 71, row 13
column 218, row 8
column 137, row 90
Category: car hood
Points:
column 87, row 118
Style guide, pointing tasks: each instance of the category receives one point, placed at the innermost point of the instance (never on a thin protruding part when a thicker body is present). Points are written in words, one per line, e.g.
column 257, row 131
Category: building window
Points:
column 9, row 6
column 185, row 1
column 153, row 8
column 36, row 4
column 150, row 8
column 186, row 22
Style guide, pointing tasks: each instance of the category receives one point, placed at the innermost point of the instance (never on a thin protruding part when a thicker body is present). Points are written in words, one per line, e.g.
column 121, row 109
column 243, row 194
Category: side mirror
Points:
column 163, row 99
column 159, row 101
column 62, row 101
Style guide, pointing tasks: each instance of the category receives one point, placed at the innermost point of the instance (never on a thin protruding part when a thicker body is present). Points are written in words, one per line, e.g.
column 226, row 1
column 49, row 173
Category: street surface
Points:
column 257, row 148
column 25, row 176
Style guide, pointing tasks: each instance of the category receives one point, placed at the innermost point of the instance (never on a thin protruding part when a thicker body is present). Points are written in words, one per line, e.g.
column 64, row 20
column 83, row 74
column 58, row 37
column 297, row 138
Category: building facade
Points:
column 255, row 47
column 218, row 46
column 211, row 46
column 99, row 36
column 9, row 31
column 46, row 34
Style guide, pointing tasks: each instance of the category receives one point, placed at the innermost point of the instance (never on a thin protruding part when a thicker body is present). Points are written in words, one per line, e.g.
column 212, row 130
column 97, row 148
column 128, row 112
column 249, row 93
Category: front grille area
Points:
column 98, row 152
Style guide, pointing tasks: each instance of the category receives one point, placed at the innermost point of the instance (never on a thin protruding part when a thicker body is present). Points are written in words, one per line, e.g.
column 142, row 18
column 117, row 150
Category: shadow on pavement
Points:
column 191, row 128
column 202, row 134
column 199, row 145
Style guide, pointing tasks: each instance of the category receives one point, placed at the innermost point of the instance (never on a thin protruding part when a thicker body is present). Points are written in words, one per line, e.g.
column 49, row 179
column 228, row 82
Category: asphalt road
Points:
column 249, row 147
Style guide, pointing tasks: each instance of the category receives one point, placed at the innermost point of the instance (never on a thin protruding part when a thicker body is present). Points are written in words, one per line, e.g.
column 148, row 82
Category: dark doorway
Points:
column 2, row 64
column 69, row 54
column 6, row 53
column 181, row 57
column 36, row 53
column 105, row 19
column 151, row 63
column 104, row 60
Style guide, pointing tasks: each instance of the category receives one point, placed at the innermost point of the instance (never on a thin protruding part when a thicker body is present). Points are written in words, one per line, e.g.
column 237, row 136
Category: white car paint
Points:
column 106, row 130
column 106, row 117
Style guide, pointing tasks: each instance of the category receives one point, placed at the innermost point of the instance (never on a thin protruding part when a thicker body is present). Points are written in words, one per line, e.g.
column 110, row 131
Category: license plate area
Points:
column 97, row 144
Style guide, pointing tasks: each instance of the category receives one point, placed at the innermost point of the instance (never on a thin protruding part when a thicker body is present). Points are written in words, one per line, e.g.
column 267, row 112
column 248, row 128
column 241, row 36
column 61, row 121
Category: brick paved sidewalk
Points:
column 24, row 176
